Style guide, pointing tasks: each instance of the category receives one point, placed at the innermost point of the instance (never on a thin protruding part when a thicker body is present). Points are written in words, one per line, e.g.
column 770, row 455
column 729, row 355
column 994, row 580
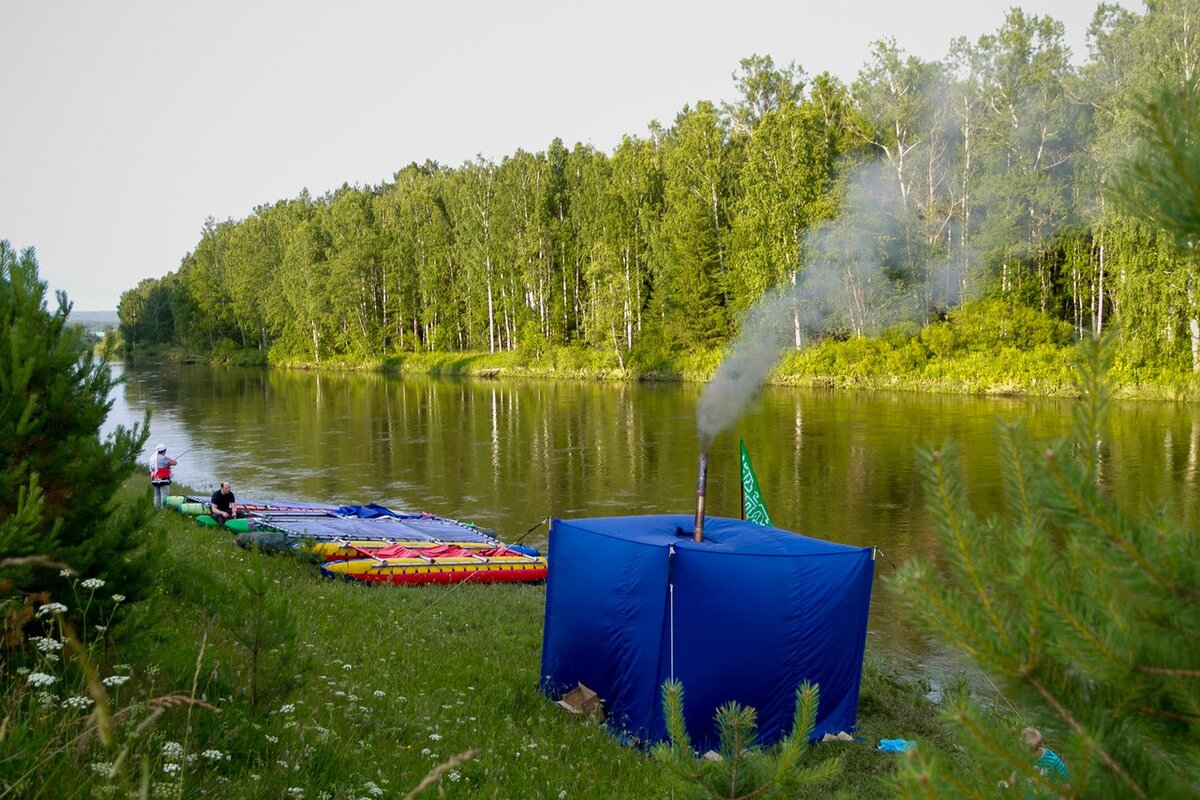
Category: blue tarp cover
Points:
column 757, row 610
column 373, row 511
column 416, row 529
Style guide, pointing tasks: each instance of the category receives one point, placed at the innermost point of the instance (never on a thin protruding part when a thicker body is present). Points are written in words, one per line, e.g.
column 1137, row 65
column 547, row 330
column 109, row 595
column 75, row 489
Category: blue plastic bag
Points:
column 895, row 745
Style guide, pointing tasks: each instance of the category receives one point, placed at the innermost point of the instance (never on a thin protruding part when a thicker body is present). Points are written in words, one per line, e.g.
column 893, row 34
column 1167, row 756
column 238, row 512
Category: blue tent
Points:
column 747, row 615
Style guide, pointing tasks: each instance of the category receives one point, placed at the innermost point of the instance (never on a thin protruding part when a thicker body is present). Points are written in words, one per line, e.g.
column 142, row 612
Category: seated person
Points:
column 223, row 506
column 1048, row 762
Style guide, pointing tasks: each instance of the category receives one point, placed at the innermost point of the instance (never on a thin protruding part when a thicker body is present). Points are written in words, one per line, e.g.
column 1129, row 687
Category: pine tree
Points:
column 742, row 769
column 1162, row 182
column 57, row 477
column 1082, row 611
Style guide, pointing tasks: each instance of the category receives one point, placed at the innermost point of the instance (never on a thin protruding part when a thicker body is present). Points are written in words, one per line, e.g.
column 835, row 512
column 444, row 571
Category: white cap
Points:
column 162, row 448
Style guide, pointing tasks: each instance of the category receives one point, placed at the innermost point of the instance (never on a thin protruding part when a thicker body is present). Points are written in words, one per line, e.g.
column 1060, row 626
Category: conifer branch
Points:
column 1085, row 509
column 948, row 501
column 948, row 618
column 1018, row 480
column 1174, row 673
column 1187, row 719
column 1077, row 624
column 986, row 743
column 1065, row 714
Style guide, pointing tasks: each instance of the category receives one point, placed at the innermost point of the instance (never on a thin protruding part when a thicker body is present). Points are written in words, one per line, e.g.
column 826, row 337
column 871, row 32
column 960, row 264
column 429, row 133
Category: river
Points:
column 508, row 453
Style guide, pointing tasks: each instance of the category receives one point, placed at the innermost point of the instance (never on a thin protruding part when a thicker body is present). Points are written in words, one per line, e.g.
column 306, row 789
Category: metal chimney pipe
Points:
column 701, row 490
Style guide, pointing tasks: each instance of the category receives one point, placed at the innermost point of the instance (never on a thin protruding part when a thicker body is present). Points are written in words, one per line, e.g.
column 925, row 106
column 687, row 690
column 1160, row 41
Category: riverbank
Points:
column 248, row 675
column 867, row 365
column 979, row 350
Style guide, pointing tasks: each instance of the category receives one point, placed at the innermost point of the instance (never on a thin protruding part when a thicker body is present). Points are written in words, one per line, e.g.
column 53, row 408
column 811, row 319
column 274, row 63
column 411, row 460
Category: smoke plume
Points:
column 866, row 270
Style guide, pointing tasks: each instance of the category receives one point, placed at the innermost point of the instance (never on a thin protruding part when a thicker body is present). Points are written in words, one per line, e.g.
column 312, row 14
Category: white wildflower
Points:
column 454, row 776
column 255, row 777
column 380, row 693
column 101, row 767
column 64, row 573
column 46, row 699
column 172, row 750
column 372, row 788
column 272, row 739
column 122, row 668
column 425, row 751
column 101, row 628
column 171, row 768
column 435, row 737
column 92, row 583
column 562, row 794
column 296, row 791
column 347, row 666
column 41, row 679
column 287, row 708
column 212, row 755
column 353, row 698
column 115, row 680
column 79, row 701
column 51, row 608
column 118, row 598
column 46, row 644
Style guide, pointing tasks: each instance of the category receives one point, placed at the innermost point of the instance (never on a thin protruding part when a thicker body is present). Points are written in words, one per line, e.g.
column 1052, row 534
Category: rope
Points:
column 885, row 558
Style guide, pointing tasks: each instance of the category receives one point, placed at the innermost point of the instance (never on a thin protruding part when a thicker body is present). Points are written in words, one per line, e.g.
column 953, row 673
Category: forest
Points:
column 925, row 193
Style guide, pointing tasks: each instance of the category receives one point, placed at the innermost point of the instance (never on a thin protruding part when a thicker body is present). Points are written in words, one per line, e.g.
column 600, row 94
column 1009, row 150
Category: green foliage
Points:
column 57, row 477
column 393, row 682
column 1162, row 182
column 741, row 769
column 981, row 175
column 274, row 663
column 989, row 324
column 59, row 702
column 1079, row 608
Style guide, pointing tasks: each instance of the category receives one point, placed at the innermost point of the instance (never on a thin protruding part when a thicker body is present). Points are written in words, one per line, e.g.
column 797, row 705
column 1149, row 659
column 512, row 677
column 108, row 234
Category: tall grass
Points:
column 355, row 692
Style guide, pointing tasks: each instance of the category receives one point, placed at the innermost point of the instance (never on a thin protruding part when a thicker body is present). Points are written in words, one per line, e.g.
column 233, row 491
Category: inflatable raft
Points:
column 401, row 563
column 374, row 544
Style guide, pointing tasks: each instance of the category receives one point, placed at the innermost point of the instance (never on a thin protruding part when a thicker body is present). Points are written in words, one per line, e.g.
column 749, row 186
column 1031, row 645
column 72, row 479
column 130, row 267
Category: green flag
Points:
column 753, row 507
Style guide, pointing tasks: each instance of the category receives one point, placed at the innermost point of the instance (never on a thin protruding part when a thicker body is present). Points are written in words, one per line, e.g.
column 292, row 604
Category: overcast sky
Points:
column 126, row 124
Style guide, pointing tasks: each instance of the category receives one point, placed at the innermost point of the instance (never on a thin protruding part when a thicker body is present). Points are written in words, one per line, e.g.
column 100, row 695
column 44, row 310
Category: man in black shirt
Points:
column 223, row 506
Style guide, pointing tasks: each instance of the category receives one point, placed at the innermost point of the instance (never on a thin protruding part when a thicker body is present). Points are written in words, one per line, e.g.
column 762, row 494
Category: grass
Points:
column 248, row 675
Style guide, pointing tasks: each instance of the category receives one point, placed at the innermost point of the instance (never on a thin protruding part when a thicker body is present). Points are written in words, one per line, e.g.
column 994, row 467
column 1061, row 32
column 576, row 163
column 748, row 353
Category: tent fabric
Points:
column 756, row 611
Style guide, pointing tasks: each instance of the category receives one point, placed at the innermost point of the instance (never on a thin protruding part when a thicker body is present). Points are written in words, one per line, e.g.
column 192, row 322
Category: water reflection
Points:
column 506, row 454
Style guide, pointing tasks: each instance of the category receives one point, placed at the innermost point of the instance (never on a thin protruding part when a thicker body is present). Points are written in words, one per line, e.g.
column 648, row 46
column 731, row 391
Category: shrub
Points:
column 991, row 323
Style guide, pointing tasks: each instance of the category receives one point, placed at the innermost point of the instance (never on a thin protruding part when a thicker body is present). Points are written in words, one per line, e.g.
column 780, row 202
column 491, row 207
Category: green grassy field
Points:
column 245, row 675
